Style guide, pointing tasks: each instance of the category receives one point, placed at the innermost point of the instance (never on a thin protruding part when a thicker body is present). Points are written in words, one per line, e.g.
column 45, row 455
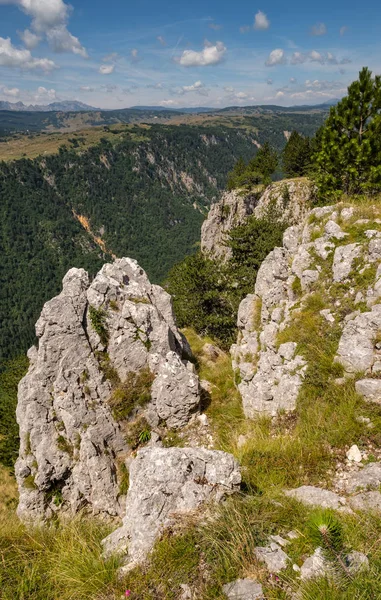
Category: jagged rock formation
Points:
column 287, row 200
column 92, row 337
column 318, row 256
column 165, row 482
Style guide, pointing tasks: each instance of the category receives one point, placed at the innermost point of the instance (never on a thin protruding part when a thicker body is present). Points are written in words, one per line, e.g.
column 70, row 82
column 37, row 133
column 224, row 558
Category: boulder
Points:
column 92, row 336
column 366, row 501
column 356, row 351
column 370, row 389
column 343, row 259
column 165, row 482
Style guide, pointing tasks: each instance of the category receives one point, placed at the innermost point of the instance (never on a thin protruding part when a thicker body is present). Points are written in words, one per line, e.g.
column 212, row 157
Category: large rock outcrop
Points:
column 343, row 269
column 286, row 200
column 91, row 338
column 165, row 483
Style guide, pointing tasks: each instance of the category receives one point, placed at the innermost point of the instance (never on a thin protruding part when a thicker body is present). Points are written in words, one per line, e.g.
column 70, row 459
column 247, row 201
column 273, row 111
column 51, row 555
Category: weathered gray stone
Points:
column 314, row 496
column 375, row 250
column 243, row 589
column 165, row 482
column 323, row 247
column 366, row 501
column 356, row 561
column 343, row 259
column 70, row 441
column 356, row 350
column 333, row 230
column 369, row 477
column 273, row 556
column 315, row 566
column 370, row 389
column 354, row 454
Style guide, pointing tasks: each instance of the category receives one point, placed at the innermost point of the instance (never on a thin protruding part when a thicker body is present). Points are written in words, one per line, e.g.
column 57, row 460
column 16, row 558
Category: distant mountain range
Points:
column 65, row 106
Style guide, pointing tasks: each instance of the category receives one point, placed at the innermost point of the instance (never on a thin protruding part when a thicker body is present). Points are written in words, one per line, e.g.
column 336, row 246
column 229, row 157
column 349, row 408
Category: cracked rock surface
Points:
column 70, row 441
column 165, row 482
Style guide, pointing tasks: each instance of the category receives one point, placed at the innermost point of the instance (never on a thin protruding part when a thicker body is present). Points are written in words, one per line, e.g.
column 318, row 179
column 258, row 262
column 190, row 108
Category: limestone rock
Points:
column 70, row 442
column 369, row 477
column 366, row 501
column 273, row 556
column 315, row 566
column 343, row 259
column 314, row 496
column 354, row 454
column 356, row 561
column 243, row 589
column 234, row 208
column 370, row 389
column 165, row 482
column 356, row 350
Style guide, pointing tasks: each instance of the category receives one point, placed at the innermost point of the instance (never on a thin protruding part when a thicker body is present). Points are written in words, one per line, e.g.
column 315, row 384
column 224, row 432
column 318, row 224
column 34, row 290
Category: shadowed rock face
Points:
column 70, row 441
column 165, row 482
column 288, row 199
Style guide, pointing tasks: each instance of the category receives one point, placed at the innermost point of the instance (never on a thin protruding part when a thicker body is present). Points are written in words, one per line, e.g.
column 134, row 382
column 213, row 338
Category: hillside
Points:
column 142, row 192
column 296, row 416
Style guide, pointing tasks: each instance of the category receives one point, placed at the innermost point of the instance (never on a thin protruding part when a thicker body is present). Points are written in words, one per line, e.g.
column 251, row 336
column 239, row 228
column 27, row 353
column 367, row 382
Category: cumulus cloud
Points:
column 229, row 89
column 168, row 103
column 10, row 92
column 161, row 40
column 261, row 21
column 106, row 69
column 12, row 57
column 44, row 94
column 49, row 18
column 276, row 57
column 87, row 88
column 197, row 87
column 319, row 29
column 343, row 29
column 293, row 80
column 327, row 58
column 210, row 55
column 30, row 39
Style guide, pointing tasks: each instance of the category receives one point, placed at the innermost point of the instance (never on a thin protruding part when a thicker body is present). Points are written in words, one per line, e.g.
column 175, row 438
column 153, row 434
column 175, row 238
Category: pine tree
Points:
column 234, row 175
column 265, row 162
column 297, row 155
column 349, row 154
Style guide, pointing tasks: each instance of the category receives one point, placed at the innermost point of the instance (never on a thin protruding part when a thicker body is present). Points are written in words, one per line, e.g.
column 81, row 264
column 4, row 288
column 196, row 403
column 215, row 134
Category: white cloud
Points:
column 50, row 18
column 241, row 96
column 343, row 29
column 86, row 88
column 276, row 57
column 61, row 40
column 269, row 81
column 210, row 55
column 261, row 21
column 21, row 58
column 168, row 103
column 10, row 92
column 315, row 56
column 30, row 39
column 293, row 80
column 319, row 29
column 161, row 39
column 229, row 89
column 244, row 29
column 298, row 58
column 106, row 69
column 279, row 94
column 215, row 26
column 44, row 94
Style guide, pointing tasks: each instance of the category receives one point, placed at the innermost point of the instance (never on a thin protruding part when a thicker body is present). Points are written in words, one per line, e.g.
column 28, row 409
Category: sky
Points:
column 119, row 53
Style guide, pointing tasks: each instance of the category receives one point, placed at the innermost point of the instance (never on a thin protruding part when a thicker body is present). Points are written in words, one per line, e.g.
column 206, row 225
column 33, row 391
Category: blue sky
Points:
column 119, row 53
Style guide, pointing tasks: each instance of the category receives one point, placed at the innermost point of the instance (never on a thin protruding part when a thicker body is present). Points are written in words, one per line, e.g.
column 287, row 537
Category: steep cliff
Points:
column 325, row 282
column 110, row 362
column 286, row 201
